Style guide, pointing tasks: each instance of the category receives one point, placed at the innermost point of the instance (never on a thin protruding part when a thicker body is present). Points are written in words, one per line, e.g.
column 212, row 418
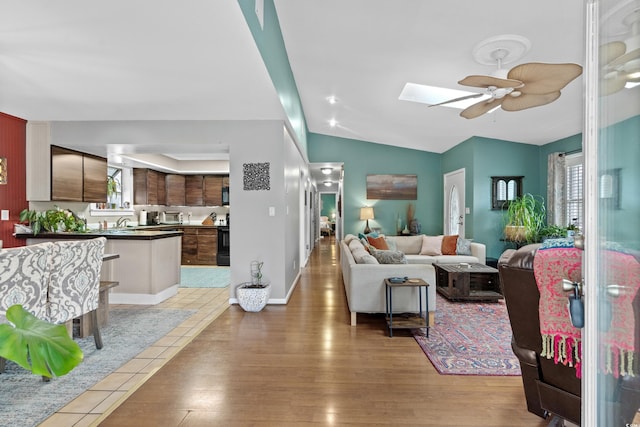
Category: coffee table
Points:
column 407, row 321
column 468, row 282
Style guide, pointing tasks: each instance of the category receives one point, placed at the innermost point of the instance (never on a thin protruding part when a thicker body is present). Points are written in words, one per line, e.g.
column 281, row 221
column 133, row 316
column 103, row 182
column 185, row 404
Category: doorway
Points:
column 454, row 202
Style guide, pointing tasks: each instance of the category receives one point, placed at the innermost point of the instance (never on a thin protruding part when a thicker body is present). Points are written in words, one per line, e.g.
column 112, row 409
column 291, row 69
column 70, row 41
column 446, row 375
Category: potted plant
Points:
column 52, row 220
column 253, row 296
column 524, row 218
column 112, row 189
column 552, row 232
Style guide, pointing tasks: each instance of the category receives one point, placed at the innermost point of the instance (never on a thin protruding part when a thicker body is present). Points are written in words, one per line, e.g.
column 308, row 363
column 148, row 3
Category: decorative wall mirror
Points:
column 504, row 189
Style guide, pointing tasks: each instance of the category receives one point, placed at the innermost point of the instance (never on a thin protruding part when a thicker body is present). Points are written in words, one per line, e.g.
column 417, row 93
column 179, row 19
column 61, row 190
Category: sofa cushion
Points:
column 364, row 236
column 431, row 245
column 348, row 238
column 455, row 259
column 360, row 256
column 407, row 244
column 355, row 244
column 378, row 243
column 389, row 257
column 420, row 259
column 463, row 246
column 449, row 245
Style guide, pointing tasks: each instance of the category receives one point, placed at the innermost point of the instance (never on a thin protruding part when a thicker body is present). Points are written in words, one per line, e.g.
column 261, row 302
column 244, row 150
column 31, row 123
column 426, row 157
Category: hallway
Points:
column 303, row 364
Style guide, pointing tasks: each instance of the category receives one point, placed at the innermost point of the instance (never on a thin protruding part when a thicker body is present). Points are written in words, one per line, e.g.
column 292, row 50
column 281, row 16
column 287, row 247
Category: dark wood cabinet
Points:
column 95, row 179
column 162, row 188
column 175, row 190
column 147, row 186
column 77, row 177
column 212, row 191
column 193, row 190
column 199, row 246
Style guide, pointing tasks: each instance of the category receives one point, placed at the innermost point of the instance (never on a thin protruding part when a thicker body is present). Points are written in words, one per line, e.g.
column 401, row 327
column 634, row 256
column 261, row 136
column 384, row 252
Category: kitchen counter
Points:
column 148, row 268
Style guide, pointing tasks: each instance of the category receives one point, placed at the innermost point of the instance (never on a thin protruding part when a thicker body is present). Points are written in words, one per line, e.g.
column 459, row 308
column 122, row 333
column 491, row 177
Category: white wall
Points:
column 255, row 235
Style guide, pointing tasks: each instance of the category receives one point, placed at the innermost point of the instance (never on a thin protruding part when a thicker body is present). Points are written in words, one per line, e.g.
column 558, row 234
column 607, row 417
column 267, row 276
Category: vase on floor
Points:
column 252, row 297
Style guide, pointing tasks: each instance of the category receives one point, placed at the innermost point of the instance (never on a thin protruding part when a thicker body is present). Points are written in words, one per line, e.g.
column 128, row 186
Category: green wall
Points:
column 328, row 204
column 274, row 54
column 362, row 158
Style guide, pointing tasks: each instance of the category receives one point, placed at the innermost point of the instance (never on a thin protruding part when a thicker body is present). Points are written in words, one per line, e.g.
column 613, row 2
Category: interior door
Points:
column 454, row 205
column 611, row 271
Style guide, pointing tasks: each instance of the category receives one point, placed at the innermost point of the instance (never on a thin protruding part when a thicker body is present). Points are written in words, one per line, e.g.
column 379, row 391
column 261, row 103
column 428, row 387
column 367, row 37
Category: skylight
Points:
column 434, row 95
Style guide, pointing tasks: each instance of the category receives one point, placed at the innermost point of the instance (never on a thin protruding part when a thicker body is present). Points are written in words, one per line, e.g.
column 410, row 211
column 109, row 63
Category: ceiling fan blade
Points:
column 486, row 81
column 540, row 78
column 479, row 108
column 462, row 98
column 621, row 60
column 525, row 101
column 610, row 51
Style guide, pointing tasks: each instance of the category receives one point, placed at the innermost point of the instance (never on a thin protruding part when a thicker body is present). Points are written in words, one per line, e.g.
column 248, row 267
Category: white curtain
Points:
column 556, row 191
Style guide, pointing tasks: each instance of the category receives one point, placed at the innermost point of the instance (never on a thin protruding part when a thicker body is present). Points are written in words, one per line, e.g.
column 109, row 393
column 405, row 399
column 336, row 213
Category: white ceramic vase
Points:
column 252, row 299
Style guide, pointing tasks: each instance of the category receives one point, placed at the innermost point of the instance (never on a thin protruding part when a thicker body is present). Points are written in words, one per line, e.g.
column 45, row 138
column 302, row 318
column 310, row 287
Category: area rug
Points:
column 27, row 400
column 470, row 338
column 204, row 277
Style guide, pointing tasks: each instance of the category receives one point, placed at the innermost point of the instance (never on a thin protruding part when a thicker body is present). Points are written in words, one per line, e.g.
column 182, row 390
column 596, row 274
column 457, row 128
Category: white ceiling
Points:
column 169, row 60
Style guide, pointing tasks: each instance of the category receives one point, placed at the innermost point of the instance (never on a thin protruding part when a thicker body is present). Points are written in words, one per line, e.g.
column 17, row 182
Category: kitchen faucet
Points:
column 121, row 222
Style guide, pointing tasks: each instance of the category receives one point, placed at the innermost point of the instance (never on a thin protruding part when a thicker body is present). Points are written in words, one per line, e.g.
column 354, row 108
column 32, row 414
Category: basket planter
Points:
column 252, row 298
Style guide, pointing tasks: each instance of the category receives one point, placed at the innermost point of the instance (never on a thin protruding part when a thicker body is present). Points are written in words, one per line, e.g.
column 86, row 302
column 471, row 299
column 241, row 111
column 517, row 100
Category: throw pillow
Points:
column 372, row 234
column 378, row 243
column 392, row 244
column 463, row 246
column 389, row 257
column 431, row 245
column 449, row 245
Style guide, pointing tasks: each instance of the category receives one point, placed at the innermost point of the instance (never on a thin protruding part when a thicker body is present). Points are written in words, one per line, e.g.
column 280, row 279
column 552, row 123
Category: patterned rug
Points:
column 204, row 277
column 27, row 400
column 470, row 338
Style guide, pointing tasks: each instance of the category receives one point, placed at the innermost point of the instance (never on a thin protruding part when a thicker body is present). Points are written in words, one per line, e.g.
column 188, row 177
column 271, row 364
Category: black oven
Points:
column 223, row 257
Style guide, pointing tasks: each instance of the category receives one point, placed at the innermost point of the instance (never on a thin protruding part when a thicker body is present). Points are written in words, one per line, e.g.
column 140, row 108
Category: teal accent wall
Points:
column 328, row 204
column 274, row 54
column 483, row 158
column 620, row 149
column 361, row 158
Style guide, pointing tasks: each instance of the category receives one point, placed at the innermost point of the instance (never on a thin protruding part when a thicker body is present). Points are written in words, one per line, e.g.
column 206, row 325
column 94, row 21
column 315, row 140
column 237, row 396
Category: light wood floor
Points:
column 303, row 364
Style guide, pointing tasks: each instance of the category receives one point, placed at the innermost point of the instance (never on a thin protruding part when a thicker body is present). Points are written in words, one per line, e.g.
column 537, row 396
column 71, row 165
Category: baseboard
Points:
column 143, row 299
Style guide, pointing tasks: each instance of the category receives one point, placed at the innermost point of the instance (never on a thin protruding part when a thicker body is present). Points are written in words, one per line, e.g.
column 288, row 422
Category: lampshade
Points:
column 366, row 213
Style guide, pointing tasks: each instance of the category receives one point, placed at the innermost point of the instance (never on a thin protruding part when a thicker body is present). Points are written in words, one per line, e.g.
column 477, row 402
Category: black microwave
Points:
column 225, row 196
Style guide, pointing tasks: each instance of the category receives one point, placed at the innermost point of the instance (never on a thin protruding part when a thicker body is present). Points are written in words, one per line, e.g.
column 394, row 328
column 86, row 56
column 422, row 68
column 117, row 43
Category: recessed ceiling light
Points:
column 328, row 183
column 434, row 95
column 326, row 171
column 333, row 123
column 332, row 99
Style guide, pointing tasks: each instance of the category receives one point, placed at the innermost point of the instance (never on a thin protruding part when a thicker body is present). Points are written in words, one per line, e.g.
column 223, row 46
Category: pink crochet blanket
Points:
column 561, row 341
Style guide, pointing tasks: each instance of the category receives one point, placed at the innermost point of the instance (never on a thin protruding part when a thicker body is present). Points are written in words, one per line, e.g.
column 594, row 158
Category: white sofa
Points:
column 364, row 282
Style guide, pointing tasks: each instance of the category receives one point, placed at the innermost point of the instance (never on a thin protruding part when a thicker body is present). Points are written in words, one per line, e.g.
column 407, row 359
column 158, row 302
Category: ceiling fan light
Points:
column 328, row 183
column 515, row 93
column 326, row 171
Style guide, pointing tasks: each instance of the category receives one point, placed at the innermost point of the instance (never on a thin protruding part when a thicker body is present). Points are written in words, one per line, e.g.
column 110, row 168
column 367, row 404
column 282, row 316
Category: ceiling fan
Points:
column 524, row 86
column 620, row 60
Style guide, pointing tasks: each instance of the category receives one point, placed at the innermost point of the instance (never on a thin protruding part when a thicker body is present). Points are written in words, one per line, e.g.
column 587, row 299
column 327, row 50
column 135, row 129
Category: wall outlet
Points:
column 4, row 215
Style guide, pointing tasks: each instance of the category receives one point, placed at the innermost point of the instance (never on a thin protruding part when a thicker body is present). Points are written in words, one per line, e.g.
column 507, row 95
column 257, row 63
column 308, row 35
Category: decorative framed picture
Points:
column 392, row 187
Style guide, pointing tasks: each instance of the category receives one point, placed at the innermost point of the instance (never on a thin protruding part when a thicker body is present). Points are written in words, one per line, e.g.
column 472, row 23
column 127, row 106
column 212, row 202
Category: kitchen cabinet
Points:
column 175, row 190
column 77, row 177
column 212, row 191
column 193, row 190
column 199, row 245
column 148, row 187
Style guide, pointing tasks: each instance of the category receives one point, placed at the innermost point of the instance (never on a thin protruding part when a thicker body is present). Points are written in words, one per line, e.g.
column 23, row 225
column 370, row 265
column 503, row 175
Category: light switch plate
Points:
column 272, row 211
column 4, row 215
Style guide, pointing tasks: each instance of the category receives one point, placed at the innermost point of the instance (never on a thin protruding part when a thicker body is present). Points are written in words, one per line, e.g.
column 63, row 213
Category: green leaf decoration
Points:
column 38, row 346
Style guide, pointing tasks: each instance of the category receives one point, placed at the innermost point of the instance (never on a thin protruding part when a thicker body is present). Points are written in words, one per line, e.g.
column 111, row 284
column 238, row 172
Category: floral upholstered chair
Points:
column 24, row 280
column 74, row 287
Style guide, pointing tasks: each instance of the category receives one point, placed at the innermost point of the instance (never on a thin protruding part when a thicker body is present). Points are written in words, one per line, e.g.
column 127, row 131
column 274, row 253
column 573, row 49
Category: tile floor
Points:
column 97, row 402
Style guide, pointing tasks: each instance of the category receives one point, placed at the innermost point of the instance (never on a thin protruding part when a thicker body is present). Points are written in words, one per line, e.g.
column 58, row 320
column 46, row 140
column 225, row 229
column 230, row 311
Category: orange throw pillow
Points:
column 378, row 243
column 449, row 245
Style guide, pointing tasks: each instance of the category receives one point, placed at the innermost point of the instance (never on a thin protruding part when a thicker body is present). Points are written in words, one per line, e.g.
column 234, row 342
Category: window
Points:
column 574, row 190
column 504, row 189
column 114, row 187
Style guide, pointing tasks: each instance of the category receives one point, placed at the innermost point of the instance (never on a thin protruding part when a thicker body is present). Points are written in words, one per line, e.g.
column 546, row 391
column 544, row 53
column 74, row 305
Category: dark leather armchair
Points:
column 551, row 389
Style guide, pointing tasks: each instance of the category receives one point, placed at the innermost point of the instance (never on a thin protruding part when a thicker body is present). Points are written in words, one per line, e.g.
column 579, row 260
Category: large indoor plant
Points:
column 39, row 346
column 524, row 218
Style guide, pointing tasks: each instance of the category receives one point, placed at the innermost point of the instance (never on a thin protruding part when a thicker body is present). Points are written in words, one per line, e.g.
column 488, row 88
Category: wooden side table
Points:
column 410, row 321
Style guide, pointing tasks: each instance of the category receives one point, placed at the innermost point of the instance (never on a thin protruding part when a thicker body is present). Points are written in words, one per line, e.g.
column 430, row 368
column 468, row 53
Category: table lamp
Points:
column 366, row 213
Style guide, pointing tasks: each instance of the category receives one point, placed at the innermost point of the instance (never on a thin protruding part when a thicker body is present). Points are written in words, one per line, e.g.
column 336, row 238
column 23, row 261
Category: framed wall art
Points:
column 392, row 187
